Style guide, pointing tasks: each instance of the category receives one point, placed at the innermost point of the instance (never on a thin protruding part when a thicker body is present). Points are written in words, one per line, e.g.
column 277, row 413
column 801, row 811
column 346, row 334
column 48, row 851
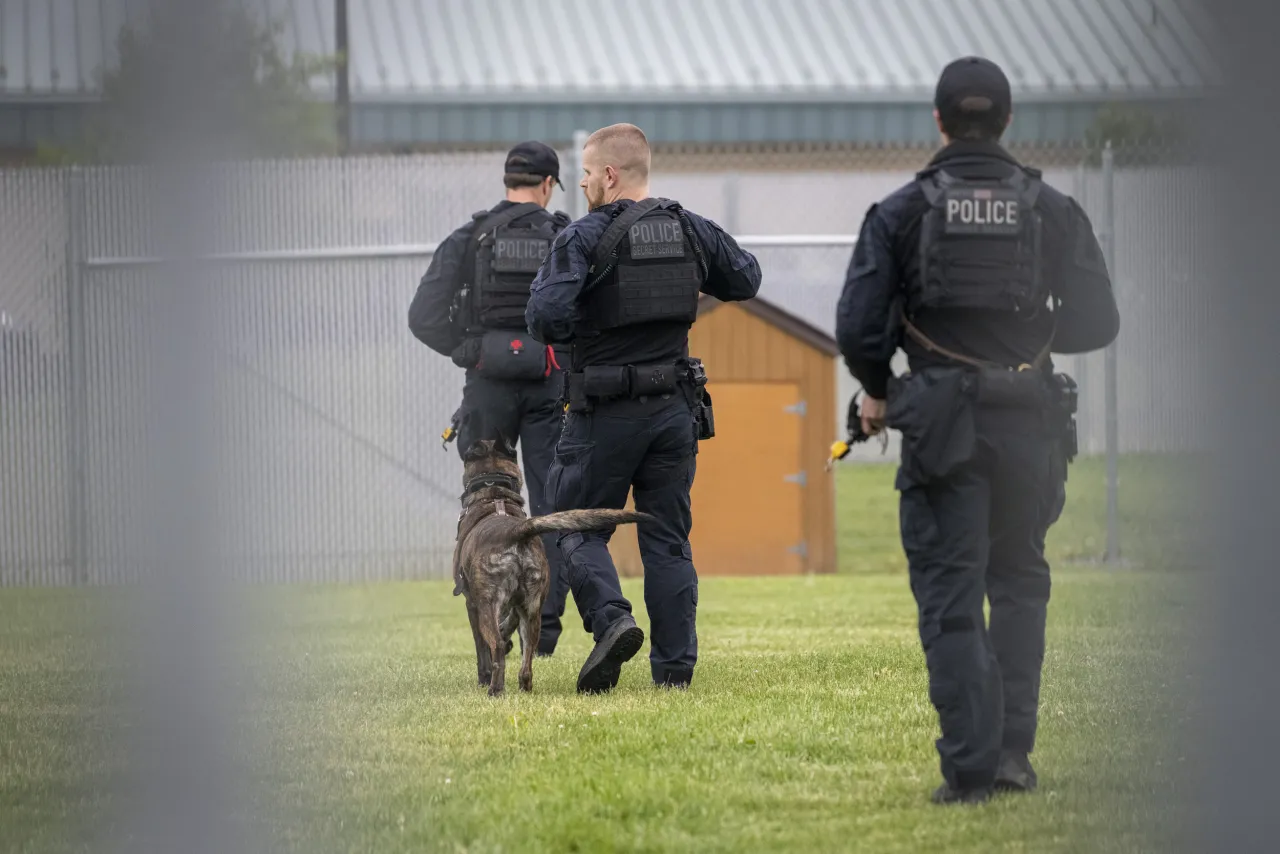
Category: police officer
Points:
column 470, row 306
column 621, row 286
column 979, row 270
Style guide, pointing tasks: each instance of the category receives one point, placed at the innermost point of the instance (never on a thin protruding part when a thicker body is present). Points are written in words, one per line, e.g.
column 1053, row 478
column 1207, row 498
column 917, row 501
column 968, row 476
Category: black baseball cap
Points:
column 973, row 77
column 534, row 158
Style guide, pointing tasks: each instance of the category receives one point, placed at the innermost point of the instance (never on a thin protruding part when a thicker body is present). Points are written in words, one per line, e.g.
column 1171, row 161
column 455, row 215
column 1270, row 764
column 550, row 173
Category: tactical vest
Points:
column 647, row 268
column 507, row 249
column 980, row 244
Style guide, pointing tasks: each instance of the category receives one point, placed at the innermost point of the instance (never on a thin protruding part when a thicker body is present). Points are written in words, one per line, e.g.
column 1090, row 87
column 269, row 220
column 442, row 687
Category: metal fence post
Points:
column 731, row 203
column 1085, row 414
column 577, row 202
column 77, row 382
column 1113, row 419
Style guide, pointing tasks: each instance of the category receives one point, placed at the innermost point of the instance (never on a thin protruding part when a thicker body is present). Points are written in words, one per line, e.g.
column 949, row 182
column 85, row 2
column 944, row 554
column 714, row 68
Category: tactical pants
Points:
column 527, row 412
column 651, row 446
column 978, row 532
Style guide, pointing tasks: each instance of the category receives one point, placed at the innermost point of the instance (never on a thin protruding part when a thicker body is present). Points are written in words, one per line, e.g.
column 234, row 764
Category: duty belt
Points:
column 627, row 382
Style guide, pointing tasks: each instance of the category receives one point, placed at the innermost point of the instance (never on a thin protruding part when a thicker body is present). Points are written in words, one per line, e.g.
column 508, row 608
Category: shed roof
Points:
column 779, row 317
column 432, row 51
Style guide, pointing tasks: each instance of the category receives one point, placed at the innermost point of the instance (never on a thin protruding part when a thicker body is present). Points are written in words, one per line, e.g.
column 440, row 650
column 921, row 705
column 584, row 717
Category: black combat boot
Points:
column 678, row 679
column 944, row 794
column 604, row 665
column 1015, row 773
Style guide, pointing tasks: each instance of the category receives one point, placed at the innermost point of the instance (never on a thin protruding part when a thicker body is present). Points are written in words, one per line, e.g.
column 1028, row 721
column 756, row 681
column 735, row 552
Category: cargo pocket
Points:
column 566, row 480
column 916, row 521
column 934, row 412
column 1054, row 491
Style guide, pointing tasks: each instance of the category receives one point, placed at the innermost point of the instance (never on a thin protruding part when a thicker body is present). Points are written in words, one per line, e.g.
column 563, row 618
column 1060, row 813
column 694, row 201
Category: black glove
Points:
column 467, row 354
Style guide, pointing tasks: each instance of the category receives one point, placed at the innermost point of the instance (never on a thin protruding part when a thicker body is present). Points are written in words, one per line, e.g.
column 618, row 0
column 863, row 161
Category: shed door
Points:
column 749, row 489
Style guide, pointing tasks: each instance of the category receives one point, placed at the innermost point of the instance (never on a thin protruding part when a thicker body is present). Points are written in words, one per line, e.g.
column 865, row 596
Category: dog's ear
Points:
column 508, row 447
column 478, row 450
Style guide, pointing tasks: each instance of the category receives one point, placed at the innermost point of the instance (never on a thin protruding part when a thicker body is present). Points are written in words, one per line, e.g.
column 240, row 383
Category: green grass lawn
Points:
column 1158, row 507
column 808, row 727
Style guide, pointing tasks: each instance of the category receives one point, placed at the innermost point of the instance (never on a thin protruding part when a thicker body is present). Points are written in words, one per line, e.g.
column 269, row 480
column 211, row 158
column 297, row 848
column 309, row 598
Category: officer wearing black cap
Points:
column 621, row 285
column 979, row 271
column 470, row 307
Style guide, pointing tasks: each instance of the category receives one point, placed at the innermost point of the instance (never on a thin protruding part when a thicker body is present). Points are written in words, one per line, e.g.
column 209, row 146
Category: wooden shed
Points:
column 762, row 502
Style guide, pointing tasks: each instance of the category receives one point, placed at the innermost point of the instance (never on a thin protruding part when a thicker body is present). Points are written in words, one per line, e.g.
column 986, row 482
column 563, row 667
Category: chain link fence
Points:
column 331, row 412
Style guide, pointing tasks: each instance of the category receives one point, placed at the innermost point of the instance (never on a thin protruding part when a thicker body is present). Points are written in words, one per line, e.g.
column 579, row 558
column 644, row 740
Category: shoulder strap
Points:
column 502, row 217
column 935, row 184
column 621, row 225
column 1027, row 182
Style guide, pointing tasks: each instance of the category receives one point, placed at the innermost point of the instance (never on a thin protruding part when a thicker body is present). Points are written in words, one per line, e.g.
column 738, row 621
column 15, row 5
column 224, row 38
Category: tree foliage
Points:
column 1138, row 134
column 251, row 95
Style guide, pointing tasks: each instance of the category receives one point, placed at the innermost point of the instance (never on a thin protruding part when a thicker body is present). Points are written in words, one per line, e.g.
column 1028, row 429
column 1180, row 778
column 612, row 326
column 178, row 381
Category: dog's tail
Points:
column 577, row 520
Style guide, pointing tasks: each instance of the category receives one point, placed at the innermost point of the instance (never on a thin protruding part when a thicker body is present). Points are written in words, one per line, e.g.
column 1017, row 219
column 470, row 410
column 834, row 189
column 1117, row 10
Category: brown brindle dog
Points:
column 499, row 562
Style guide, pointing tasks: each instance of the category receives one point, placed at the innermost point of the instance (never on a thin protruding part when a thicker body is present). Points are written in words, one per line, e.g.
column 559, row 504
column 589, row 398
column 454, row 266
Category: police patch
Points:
column 656, row 237
column 519, row 254
column 987, row 211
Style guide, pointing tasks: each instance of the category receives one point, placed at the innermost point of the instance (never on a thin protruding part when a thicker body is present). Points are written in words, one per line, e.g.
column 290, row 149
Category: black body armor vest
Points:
column 647, row 268
column 980, row 244
column 508, row 248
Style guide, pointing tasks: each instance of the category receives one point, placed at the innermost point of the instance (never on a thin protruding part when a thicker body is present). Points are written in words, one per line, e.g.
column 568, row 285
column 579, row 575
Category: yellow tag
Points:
column 839, row 449
column 446, row 434
column 1023, row 367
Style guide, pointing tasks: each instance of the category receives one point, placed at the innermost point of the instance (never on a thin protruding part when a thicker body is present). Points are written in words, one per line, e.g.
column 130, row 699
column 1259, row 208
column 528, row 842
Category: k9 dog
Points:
column 499, row 563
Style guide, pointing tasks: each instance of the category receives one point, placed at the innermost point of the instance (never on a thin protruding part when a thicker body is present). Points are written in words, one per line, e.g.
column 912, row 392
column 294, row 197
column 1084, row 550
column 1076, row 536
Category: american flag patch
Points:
column 982, row 194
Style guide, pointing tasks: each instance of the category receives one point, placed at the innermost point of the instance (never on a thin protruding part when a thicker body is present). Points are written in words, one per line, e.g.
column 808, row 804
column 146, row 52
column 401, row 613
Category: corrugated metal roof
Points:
column 558, row 50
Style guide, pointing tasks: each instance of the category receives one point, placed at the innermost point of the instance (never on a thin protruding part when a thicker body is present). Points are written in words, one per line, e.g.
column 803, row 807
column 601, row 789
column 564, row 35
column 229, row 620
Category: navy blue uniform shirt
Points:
column 887, row 255
column 553, row 313
column 429, row 311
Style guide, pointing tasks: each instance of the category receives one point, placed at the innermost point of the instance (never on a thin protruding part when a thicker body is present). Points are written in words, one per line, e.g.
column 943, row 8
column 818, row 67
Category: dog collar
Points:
column 487, row 481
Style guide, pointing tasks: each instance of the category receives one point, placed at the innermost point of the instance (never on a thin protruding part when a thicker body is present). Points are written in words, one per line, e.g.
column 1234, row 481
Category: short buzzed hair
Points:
column 518, row 180
column 624, row 147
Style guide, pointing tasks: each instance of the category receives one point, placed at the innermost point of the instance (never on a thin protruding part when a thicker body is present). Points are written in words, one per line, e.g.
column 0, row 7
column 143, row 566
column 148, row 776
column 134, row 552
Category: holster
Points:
column 704, row 417
column 1064, row 401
